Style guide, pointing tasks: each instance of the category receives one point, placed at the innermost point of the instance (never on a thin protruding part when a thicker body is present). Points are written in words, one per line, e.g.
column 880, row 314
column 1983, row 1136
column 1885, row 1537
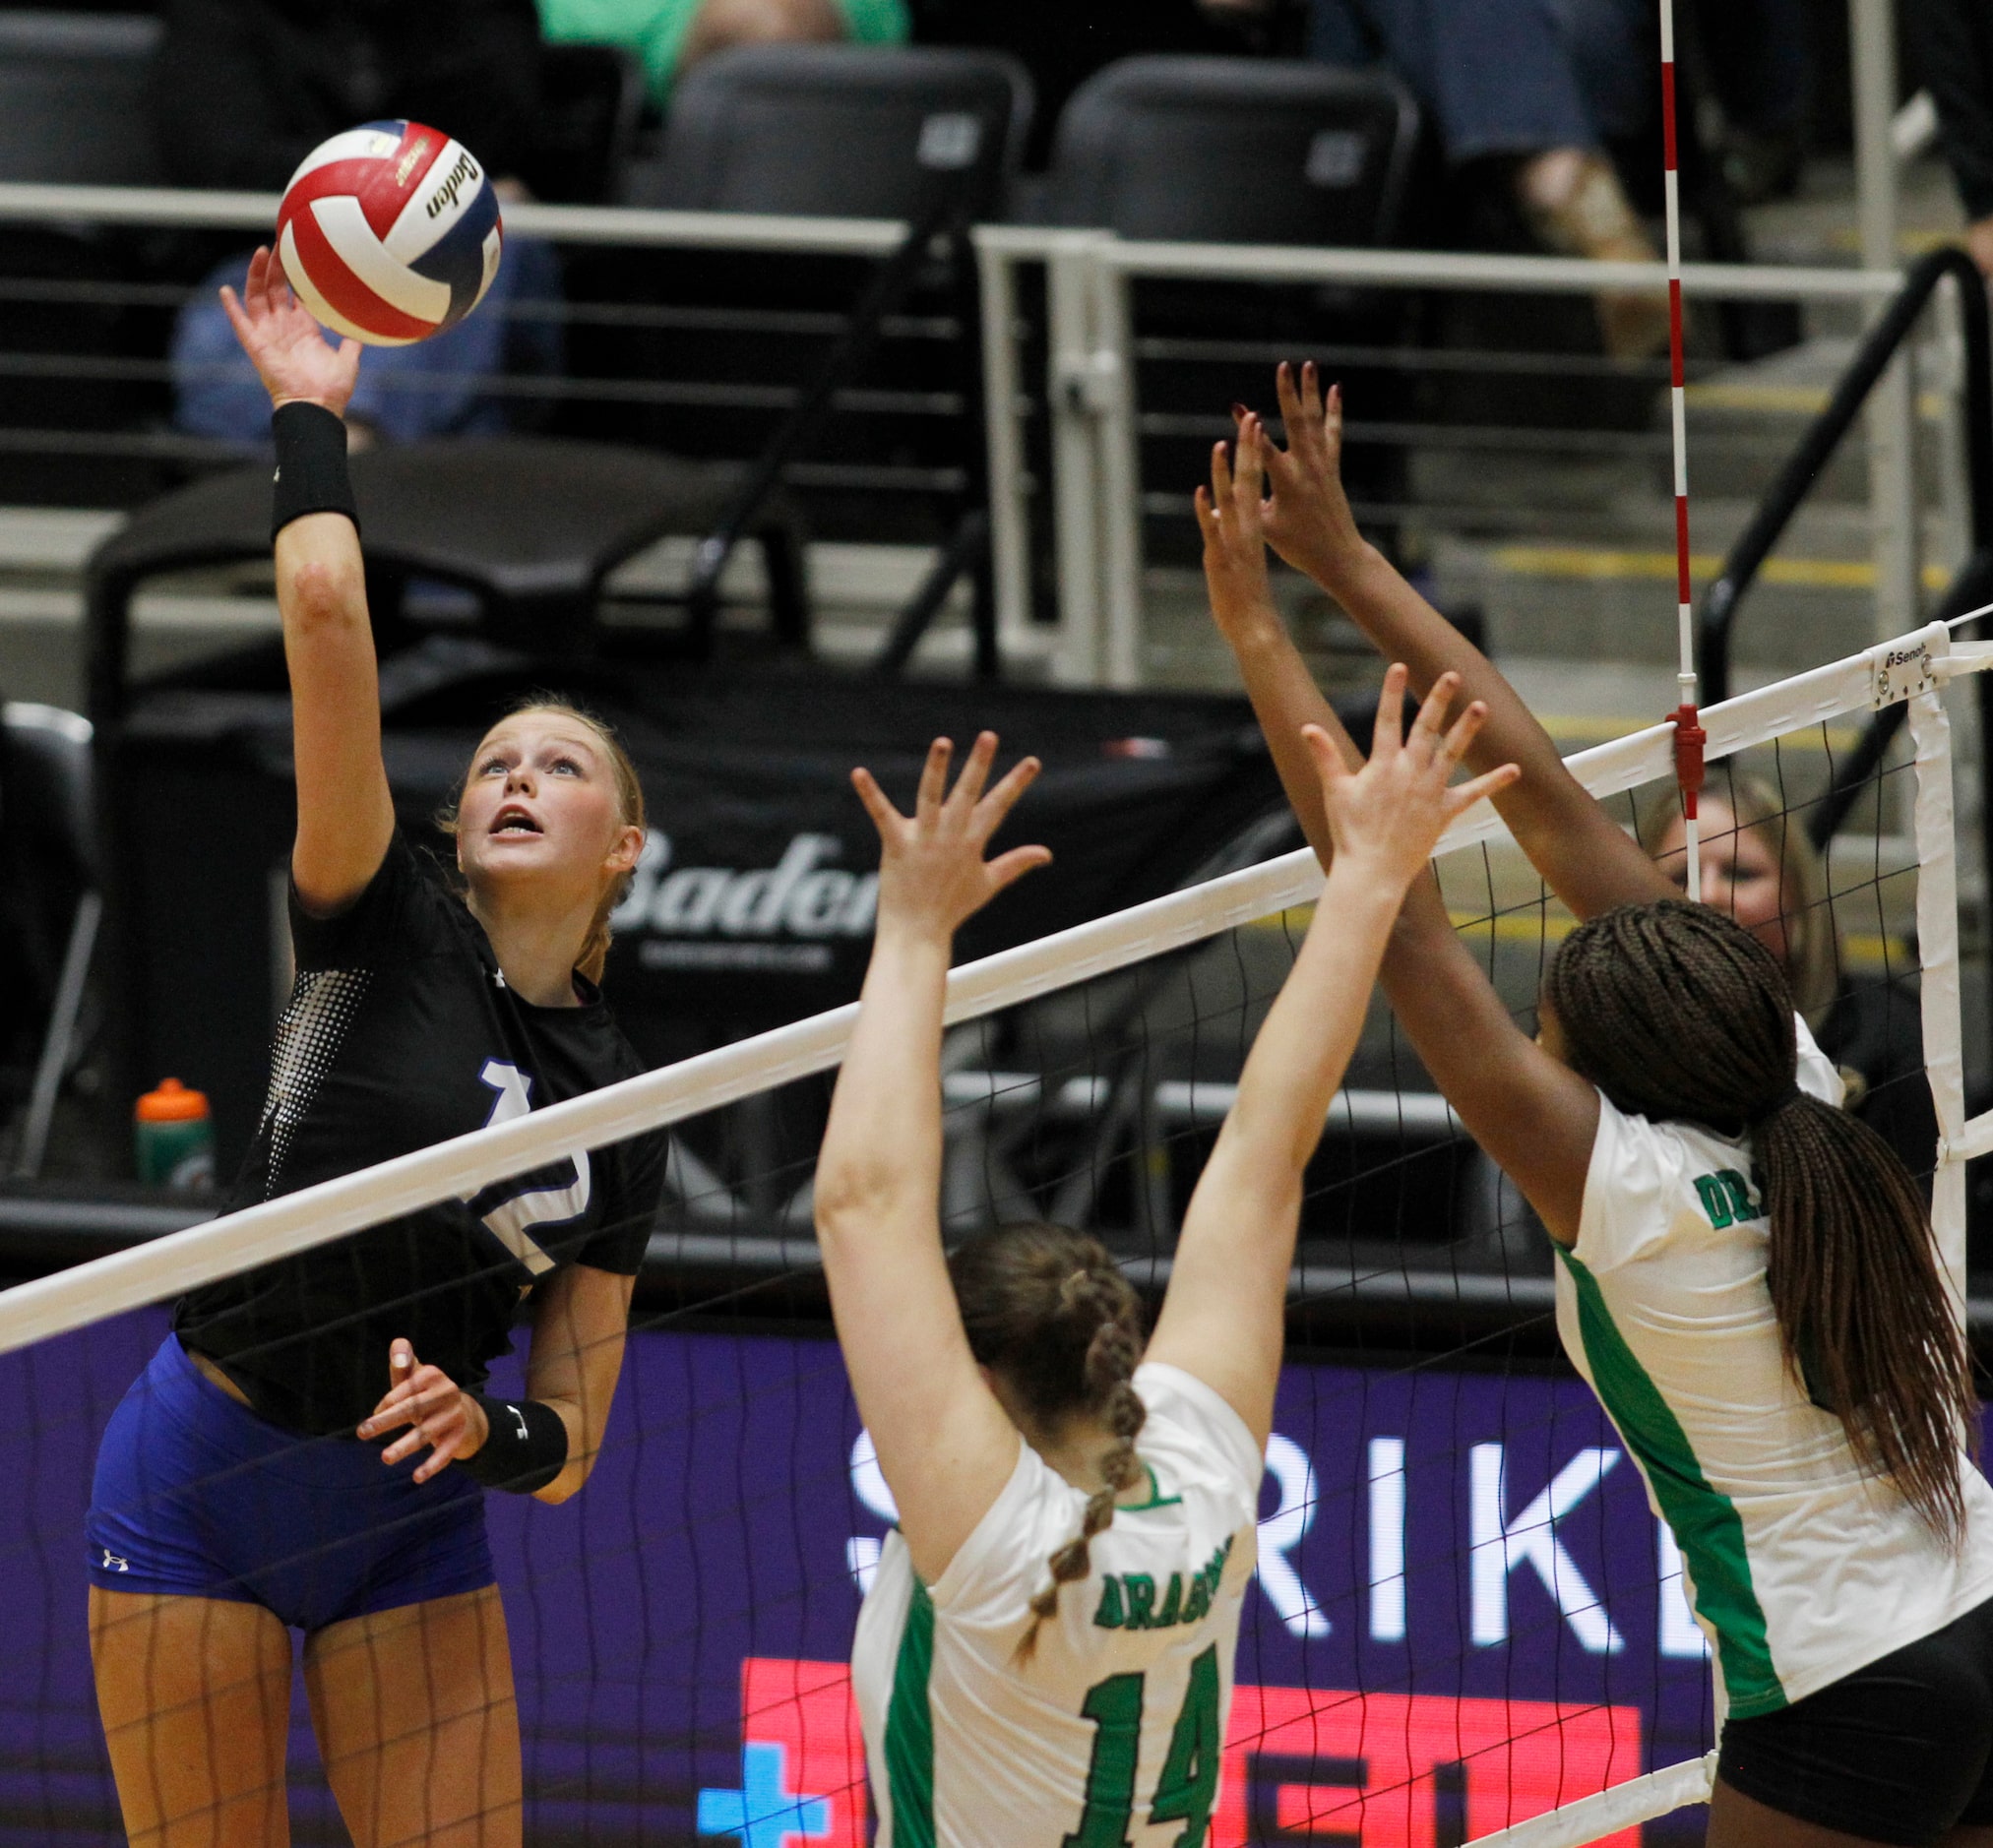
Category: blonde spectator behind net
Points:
column 1761, row 867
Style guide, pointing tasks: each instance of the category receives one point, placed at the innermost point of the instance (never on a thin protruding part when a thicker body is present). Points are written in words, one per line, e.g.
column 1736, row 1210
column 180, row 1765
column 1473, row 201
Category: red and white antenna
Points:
column 1690, row 737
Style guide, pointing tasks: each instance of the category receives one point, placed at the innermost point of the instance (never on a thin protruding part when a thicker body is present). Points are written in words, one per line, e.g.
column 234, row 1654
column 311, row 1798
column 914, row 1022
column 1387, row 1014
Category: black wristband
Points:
column 311, row 466
column 526, row 1448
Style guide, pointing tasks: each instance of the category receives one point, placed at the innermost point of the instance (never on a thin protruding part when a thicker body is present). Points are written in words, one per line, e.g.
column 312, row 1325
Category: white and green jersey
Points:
column 1113, row 1731
column 1801, row 1564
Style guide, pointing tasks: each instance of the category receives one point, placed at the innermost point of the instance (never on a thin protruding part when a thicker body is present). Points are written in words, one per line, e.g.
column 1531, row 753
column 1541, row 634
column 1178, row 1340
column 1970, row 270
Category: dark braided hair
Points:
column 1676, row 1011
column 1049, row 1311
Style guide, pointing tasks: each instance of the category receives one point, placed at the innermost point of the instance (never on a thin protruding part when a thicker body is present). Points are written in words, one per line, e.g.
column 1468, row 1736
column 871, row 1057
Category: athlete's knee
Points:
column 723, row 23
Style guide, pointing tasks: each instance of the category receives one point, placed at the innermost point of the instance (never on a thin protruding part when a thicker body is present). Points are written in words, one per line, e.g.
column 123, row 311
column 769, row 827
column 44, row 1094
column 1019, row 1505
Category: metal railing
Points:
column 1097, row 419
column 1062, row 444
column 1971, row 586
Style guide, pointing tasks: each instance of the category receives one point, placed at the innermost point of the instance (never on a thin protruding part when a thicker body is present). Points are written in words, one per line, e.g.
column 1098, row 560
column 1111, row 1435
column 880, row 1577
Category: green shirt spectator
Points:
column 656, row 31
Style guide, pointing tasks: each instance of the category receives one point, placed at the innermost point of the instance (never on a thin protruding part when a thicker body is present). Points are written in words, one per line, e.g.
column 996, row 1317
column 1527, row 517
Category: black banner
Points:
column 754, row 902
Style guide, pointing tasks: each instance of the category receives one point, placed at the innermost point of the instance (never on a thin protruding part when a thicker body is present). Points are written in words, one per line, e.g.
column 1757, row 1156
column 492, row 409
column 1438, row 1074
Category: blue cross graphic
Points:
column 764, row 1813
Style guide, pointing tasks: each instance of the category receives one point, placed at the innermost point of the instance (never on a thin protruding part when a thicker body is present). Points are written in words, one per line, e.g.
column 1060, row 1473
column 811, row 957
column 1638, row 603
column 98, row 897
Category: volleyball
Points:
column 389, row 232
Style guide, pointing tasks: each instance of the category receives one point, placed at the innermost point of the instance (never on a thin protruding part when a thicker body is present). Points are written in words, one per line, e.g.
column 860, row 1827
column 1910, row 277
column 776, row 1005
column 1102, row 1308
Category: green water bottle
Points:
column 173, row 1136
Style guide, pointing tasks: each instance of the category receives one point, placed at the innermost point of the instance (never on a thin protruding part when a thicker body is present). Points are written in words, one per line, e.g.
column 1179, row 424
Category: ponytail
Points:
column 1678, row 1012
column 1864, row 1315
column 1049, row 1310
column 1113, row 1356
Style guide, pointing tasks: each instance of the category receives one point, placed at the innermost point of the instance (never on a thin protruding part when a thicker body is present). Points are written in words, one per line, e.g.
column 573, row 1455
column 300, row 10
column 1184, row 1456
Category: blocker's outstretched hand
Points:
column 1307, row 518
column 932, row 874
column 286, row 346
column 1388, row 817
column 1232, row 514
column 444, row 1417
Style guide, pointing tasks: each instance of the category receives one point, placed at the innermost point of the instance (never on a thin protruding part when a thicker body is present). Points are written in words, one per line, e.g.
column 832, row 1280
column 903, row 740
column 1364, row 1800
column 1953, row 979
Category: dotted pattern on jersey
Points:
column 309, row 1035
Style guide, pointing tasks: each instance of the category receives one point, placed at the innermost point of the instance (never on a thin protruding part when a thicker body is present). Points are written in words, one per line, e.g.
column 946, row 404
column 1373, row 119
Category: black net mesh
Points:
column 1465, row 1614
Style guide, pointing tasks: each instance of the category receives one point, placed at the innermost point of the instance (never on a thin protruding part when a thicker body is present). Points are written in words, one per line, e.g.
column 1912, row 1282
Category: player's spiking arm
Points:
column 346, row 817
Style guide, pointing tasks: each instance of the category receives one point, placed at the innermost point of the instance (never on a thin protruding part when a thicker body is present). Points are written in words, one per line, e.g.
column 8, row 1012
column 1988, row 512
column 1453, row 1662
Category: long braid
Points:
column 1675, row 1012
column 1049, row 1310
column 1112, row 1355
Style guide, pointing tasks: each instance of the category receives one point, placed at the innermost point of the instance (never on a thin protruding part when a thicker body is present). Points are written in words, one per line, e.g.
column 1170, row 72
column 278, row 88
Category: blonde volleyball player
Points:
column 1746, row 1275
column 1046, row 1655
column 310, row 1447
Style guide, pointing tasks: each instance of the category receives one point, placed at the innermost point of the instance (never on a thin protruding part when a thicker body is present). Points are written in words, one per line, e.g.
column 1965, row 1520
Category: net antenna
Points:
column 1690, row 737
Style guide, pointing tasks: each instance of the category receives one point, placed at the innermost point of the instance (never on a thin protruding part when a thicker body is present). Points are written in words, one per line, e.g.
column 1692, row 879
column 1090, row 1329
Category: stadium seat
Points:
column 50, row 907
column 1200, row 150
column 1238, row 150
column 814, row 131
column 73, row 105
column 531, row 526
column 590, row 104
column 841, row 131
column 73, row 111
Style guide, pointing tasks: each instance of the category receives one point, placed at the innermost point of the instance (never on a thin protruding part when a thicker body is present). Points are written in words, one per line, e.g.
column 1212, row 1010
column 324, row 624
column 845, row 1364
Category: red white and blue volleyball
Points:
column 390, row 232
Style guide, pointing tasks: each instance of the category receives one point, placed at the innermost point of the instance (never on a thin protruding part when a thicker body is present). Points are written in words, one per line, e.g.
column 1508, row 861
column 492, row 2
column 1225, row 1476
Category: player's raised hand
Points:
column 1388, row 817
column 932, row 874
column 1230, row 513
column 1308, row 521
column 438, row 1411
column 289, row 350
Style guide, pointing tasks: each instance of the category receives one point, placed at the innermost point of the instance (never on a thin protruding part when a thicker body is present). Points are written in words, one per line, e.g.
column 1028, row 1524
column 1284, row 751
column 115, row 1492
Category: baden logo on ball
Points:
column 390, row 232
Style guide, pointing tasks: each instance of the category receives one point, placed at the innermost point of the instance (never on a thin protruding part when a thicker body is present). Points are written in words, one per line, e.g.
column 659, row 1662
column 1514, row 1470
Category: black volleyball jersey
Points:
column 400, row 1032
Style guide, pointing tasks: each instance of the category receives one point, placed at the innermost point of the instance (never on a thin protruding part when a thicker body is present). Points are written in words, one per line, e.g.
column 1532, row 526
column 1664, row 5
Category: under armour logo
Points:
column 112, row 1564
column 519, row 1418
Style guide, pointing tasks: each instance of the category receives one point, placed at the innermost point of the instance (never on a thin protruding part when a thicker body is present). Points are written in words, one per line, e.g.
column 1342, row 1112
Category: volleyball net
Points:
column 1465, row 1621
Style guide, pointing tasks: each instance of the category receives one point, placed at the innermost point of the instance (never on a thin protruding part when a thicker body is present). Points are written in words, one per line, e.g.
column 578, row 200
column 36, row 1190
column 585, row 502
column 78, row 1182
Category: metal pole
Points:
column 1009, row 511
column 1076, row 661
column 1891, row 429
column 1120, row 478
column 1689, row 734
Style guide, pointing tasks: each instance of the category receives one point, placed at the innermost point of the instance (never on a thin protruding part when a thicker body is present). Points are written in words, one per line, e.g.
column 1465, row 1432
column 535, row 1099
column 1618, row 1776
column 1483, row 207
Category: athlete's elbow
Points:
column 568, row 1484
column 325, row 595
column 848, row 1194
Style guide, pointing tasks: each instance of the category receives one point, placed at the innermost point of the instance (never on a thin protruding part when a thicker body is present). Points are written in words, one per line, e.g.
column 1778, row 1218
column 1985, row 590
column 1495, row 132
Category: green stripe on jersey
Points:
column 1706, row 1526
column 910, row 1728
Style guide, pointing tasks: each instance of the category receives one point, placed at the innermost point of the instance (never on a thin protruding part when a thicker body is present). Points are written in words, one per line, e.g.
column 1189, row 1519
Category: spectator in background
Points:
column 245, row 89
column 1761, row 867
column 1538, row 85
column 1955, row 48
column 668, row 35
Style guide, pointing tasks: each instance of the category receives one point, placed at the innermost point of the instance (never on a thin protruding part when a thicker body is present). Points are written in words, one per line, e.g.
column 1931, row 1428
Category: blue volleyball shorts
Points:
column 197, row 1495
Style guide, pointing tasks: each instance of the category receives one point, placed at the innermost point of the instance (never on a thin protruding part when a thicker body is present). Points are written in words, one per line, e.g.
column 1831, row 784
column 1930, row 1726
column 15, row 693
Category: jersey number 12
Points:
column 1188, row 1786
column 510, row 1220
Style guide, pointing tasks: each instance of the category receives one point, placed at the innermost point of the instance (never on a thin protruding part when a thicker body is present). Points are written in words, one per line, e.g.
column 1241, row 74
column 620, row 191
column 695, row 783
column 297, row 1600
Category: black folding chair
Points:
column 1247, row 151
column 1236, row 151
column 590, row 104
column 73, row 111
column 841, row 131
column 927, row 136
column 52, row 908
column 73, row 103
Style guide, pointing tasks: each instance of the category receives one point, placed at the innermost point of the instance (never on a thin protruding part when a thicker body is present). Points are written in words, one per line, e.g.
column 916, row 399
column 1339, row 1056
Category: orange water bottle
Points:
column 173, row 1136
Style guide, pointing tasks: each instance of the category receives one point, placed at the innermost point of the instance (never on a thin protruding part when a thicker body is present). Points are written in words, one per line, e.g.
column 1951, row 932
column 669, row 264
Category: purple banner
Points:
column 1461, row 1617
